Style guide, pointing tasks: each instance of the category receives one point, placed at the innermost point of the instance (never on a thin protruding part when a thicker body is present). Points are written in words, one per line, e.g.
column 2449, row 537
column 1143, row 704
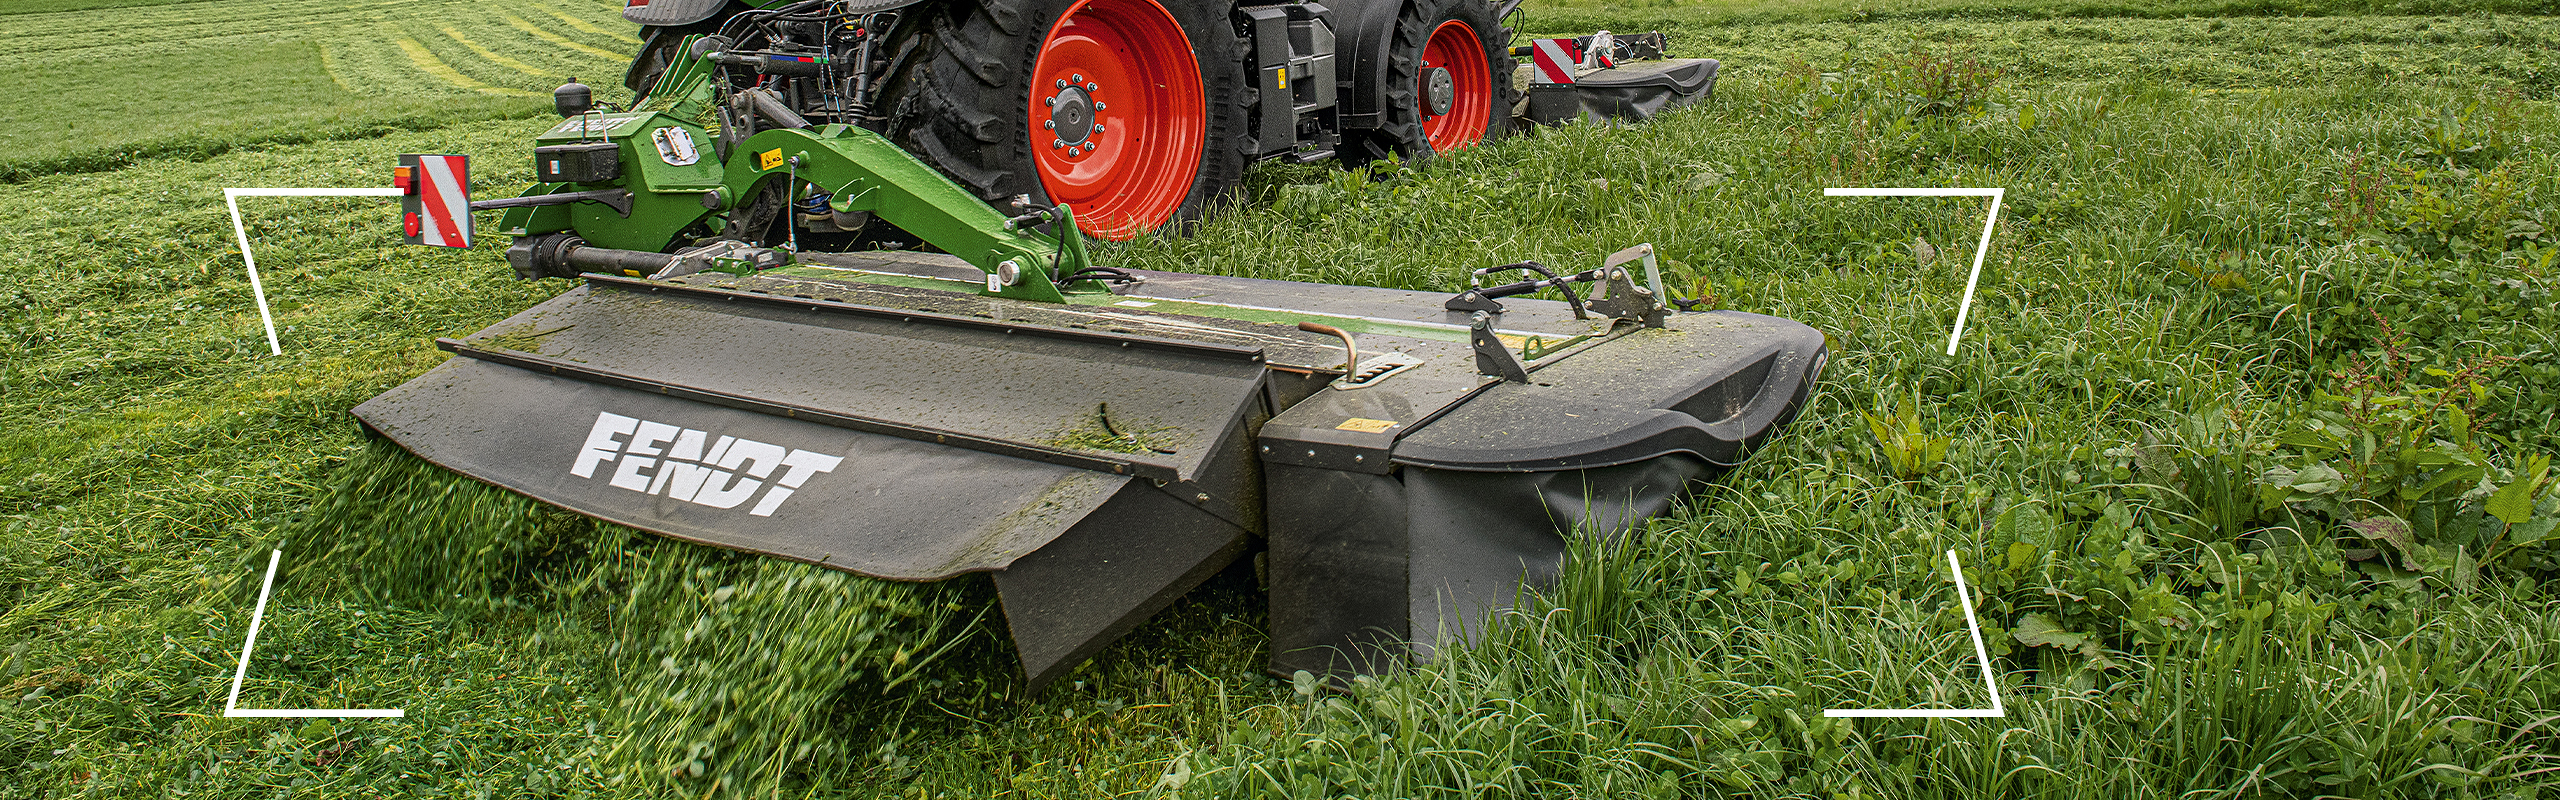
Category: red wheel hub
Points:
column 1117, row 116
column 1456, row 87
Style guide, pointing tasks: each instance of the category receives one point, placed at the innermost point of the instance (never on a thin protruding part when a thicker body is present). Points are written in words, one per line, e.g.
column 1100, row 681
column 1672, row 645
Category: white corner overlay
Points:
column 1981, row 656
column 231, row 197
column 232, row 708
column 1979, row 250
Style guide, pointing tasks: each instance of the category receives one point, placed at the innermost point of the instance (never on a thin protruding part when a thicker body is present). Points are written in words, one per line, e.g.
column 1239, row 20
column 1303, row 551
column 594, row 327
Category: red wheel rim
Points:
column 1117, row 118
column 1454, row 47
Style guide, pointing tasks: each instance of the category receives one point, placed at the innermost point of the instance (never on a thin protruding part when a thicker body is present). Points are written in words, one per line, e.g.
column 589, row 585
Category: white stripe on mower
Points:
column 1981, row 656
column 232, row 707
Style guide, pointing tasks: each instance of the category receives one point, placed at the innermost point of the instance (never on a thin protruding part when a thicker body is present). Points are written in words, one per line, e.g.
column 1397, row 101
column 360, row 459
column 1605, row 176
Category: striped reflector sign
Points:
column 435, row 199
column 1556, row 59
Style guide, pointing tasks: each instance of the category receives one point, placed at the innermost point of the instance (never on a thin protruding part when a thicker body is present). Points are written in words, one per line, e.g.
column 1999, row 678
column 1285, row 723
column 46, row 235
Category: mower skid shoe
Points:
column 1115, row 569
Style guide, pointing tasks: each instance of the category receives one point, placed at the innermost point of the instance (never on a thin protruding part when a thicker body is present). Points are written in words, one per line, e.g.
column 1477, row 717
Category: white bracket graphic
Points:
column 232, row 708
column 1981, row 656
column 231, row 197
column 1979, row 250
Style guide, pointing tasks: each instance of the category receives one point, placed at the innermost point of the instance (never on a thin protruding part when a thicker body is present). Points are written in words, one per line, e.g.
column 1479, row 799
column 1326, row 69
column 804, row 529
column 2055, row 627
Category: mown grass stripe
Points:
column 329, row 64
column 494, row 57
column 554, row 38
column 428, row 62
column 591, row 27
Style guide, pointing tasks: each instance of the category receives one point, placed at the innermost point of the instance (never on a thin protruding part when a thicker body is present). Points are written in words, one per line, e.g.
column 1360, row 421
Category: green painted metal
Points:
column 860, row 170
column 665, row 197
column 865, row 172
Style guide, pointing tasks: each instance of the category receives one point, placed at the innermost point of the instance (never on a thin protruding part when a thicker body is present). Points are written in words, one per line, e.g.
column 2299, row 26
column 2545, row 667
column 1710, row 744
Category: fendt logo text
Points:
column 685, row 464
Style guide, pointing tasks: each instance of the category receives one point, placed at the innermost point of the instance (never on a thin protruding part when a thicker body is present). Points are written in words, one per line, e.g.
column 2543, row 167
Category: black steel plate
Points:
column 890, row 507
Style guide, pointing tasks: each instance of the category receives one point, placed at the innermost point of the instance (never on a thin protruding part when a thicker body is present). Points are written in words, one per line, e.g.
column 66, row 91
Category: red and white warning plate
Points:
column 435, row 199
column 1556, row 59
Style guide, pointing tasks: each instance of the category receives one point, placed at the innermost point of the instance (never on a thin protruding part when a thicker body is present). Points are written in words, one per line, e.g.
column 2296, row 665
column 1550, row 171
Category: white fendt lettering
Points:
column 685, row 464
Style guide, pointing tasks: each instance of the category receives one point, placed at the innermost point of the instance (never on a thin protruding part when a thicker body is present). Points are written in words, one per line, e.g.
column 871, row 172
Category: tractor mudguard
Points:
column 1362, row 31
column 665, row 13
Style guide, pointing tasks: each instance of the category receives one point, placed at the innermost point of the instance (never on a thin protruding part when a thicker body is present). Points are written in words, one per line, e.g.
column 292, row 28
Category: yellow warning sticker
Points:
column 1364, row 425
column 769, row 159
column 1284, row 77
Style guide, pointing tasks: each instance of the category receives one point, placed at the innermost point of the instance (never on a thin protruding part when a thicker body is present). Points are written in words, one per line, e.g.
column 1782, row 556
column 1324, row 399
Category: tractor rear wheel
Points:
column 1130, row 111
column 1448, row 78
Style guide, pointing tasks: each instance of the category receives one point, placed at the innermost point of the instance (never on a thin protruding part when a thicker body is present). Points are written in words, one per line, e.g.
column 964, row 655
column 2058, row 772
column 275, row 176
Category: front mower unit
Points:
column 1602, row 78
column 881, row 414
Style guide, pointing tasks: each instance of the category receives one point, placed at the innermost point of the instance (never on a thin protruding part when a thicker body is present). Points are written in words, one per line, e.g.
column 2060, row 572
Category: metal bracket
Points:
column 728, row 255
column 1375, row 369
column 1620, row 297
column 1473, row 300
column 1493, row 359
column 1538, row 347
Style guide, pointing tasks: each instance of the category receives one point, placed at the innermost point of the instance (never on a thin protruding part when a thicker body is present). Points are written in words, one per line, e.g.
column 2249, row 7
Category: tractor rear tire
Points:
column 659, row 46
column 1462, row 38
column 969, row 90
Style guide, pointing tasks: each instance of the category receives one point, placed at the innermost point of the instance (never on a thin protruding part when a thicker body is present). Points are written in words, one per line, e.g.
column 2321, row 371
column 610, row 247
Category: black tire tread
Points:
column 1401, row 136
column 955, row 95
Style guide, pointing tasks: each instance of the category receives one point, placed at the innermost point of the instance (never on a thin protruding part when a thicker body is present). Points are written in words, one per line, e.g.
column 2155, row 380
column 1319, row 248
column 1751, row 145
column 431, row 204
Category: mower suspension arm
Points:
column 865, row 172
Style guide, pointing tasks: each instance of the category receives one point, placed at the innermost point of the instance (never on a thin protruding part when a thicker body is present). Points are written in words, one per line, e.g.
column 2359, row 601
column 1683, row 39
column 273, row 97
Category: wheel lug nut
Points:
column 1063, row 84
column 1051, row 102
column 1049, row 124
column 1099, row 105
column 1097, row 127
column 1057, row 143
column 1090, row 87
column 1079, row 78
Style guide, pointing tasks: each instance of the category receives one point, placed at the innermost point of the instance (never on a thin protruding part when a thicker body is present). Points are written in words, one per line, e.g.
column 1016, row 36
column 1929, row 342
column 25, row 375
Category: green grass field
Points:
column 2245, row 450
column 101, row 84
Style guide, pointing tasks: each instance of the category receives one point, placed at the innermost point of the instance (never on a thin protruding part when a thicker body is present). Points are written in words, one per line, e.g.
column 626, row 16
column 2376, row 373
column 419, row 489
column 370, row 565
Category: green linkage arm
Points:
column 868, row 173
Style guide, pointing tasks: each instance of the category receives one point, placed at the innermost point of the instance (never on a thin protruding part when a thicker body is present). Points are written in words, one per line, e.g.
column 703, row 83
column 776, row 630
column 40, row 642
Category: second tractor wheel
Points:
column 1448, row 78
column 1129, row 111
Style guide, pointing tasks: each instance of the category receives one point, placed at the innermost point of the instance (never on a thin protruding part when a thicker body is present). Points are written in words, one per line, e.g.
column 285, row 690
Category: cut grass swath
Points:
column 536, row 31
column 427, row 62
column 493, row 56
column 732, row 667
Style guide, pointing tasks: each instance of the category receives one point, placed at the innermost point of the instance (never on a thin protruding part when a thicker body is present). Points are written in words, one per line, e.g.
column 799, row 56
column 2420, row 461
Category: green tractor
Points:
column 837, row 307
